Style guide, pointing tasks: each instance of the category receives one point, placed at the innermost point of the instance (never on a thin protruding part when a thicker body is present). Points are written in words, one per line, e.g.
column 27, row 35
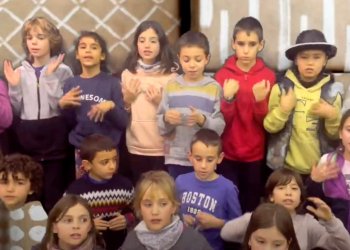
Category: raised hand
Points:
column 71, row 98
column 53, row 65
column 321, row 209
column 231, row 88
column 173, row 117
column 288, row 100
column 195, row 117
column 13, row 76
column 261, row 90
column 189, row 220
column 325, row 171
column 153, row 94
column 131, row 90
column 98, row 111
column 323, row 109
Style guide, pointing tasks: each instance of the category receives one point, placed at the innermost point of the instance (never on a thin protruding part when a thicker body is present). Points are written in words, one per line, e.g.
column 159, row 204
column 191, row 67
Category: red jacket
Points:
column 244, row 135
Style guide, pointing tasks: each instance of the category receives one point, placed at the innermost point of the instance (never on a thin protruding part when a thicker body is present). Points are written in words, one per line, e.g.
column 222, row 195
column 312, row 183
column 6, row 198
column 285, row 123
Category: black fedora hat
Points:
column 311, row 39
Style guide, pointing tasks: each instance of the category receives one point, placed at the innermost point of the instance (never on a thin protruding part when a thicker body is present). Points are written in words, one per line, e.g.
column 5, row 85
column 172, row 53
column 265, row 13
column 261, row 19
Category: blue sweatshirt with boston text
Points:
column 100, row 88
column 218, row 197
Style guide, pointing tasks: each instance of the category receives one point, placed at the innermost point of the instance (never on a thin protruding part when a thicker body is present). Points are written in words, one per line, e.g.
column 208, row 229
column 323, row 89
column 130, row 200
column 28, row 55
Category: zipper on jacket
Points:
column 38, row 95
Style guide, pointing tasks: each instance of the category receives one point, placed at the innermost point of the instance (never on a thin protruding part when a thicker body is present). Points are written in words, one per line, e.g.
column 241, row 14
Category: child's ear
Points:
column 261, row 45
column 233, row 44
column 86, row 165
column 189, row 156
column 271, row 199
column 208, row 58
column 221, row 157
column 31, row 192
column 103, row 57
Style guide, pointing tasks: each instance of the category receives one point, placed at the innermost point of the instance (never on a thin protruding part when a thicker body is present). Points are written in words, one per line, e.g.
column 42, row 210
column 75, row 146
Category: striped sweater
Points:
column 181, row 95
column 106, row 199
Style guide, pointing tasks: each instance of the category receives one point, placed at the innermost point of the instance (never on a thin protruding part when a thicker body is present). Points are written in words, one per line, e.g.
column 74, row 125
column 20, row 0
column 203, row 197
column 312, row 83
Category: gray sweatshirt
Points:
column 32, row 97
column 309, row 232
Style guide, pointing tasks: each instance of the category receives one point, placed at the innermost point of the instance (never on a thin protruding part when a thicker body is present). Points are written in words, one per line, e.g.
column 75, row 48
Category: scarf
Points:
column 88, row 244
column 162, row 240
column 148, row 68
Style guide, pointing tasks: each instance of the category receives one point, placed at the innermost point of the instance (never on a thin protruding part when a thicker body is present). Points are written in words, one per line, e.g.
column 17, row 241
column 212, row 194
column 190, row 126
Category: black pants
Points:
column 247, row 177
column 140, row 164
column 58, row 174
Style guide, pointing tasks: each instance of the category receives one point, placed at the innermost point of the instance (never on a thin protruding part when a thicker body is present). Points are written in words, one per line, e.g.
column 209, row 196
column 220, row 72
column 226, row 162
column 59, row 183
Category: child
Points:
column 285, row 187
column 246, row 82
column 304, row 108
column 333, row 171
column 4, row 226
column 109, row 194
column 208, row 200
column 20, row 177
column 270, row 227
column 161, row 228
column 70, row 226
column 34, row 89
column 5, row 108
column 148, row 68
column 189, row 102
column 92, row 96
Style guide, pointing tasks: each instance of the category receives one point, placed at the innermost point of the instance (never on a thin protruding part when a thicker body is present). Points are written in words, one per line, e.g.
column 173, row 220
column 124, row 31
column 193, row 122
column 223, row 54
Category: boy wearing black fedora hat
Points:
column 304, row 107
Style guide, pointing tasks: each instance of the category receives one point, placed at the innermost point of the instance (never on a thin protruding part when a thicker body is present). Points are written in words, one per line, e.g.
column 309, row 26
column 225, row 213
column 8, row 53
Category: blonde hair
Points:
column 54, row 35
column 162, row 180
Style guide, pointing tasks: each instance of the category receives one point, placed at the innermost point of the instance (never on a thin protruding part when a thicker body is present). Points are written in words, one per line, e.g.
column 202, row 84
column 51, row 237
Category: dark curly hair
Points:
column 19, row 163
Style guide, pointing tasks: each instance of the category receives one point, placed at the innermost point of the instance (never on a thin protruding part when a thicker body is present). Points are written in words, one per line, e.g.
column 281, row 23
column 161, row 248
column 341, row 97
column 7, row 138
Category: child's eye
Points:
column 199, row 60
column 67, row 220
column 29, row 37
column 252, row 44
column 84, row 220
column 164, row 204
column 41, row 37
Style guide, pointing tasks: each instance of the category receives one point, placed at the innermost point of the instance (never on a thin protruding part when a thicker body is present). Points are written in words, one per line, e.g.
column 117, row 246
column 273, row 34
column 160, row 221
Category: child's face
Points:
column 193, row 61
column 38, row 45
column 156, row 209
column 72, row 230
column 148, row 46
column 89, row 53
column 246, row 47
column 310, row 64
column 103, row 166
column 204, row 160
column 268, row 238
column 14, row 190
column 344, row 135
column 287, row 195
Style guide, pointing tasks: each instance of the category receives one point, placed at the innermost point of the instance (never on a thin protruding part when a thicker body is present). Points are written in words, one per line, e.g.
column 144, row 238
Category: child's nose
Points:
column 10, row 187
column 155, row 209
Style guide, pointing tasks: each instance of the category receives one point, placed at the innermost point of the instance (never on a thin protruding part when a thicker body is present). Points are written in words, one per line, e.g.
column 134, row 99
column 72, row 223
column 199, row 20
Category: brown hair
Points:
column 162, row 180
column 248, row 24
column 54, row 35
column 93, row 144
column 193, row 39
column 268, row 215
column 24, row 164
column 208, row 137
column 58, row 212
column 281, row 177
